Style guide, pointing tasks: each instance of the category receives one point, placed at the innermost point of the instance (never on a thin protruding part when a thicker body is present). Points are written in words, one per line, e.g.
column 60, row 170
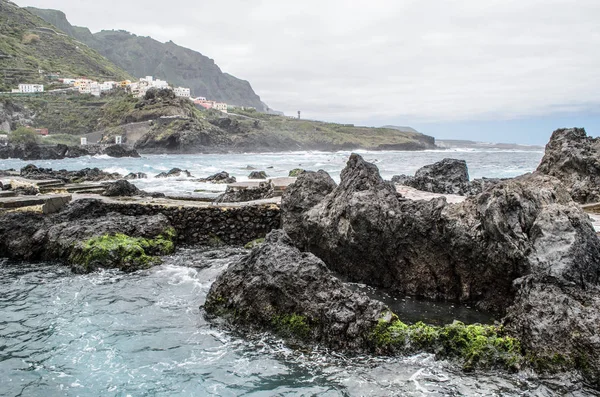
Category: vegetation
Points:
column 476, row 345
column 122, row 251
column 254, row 243
column 294, row 325
column 64, row 139
column 28, row 44
column 23, row 135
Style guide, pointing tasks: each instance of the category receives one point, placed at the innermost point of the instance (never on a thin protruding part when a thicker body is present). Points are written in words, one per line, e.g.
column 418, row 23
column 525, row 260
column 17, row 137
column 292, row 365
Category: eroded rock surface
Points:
column 219, row 177
column 278, row 287
column 574, row 158
column 85, row 175
column 448, row 176
column 513, row 249
column 75, row 235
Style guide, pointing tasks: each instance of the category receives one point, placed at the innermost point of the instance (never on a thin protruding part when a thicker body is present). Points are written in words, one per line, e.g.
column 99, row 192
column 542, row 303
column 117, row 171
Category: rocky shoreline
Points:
column 521, row 248
column 59, row 152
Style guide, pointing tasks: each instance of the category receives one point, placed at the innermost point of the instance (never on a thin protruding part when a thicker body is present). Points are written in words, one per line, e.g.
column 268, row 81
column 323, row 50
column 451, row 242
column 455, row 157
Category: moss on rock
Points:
column 475, row 345
column 291, row 325
column 121, row 251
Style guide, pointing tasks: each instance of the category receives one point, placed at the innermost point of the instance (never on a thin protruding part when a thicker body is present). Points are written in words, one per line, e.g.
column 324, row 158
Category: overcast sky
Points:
column 444, row 66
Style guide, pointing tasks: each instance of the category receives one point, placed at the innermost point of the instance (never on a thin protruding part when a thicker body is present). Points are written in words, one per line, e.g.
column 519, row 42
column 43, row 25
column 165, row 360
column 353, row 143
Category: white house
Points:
column 107, row 85
column 68, row 81
column 222, row 106
column 95, row 89
column 182, row 92
column 28, row 88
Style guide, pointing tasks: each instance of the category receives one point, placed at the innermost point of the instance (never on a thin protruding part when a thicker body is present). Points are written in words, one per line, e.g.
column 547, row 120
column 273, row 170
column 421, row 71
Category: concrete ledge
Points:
column 50, row 203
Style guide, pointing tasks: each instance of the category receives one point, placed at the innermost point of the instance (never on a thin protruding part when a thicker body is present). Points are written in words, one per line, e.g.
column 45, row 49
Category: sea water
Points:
column 144, row 334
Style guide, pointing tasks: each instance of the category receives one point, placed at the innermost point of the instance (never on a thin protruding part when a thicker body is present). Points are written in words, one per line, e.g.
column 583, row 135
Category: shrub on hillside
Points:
column 23, row 135
column 30, row 38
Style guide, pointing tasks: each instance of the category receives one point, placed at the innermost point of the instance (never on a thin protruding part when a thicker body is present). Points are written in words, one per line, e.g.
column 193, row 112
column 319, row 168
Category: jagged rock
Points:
column 219, row 177
column 306, row 192
column 480, row 251
column 174, row 172
column 449, row 176
column 121, row 188
column 574, row 158
column 120, row 151
column 258, row 175
column 78, row 151
column 279, row 288
column 76, row 235
column 85, row 175
column 135, row 175
column 236, row 195
column 470, row 251
column 559, row 324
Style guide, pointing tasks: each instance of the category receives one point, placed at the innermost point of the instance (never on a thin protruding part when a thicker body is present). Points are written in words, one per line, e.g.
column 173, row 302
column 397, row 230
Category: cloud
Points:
column 428, row 60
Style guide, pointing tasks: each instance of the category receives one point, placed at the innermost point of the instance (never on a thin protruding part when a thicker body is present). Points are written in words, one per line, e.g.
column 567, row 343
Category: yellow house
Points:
column 124, row 83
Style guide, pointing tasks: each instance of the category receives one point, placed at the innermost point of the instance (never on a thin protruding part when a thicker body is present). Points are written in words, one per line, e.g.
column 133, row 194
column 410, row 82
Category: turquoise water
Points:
column 144, row 334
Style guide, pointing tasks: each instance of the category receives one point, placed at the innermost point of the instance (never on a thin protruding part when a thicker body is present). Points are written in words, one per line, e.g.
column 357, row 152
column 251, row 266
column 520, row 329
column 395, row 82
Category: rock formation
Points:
column 448, row 176
column 85, row 175
column 85, row 240
column 574, row 158
column 120, row 151
column 123, row 188
column 219, row 177
column 174, row 172
column 470, row 251
column 279, row 287
column 258, row 175
column 502, row 250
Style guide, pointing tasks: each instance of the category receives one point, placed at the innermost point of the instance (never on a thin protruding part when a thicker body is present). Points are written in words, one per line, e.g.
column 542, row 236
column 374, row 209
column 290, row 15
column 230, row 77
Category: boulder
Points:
column 135, row 175
column 449, row 176
column 120, row 151
column 279, row 288
column 121, row 188
column 258, row 175
column 85, row 175
column 219, row 177
column 264, row 190
column 174, row 172
column 574, row 158
column 307, row 191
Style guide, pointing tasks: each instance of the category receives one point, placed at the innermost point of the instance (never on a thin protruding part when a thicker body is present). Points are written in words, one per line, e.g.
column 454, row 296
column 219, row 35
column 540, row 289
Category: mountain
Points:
column 144, row 56
column 29, row 44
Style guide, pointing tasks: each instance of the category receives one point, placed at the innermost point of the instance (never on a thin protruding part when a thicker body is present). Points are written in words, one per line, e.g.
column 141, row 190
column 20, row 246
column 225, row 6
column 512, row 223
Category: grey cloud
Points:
column 352, row 61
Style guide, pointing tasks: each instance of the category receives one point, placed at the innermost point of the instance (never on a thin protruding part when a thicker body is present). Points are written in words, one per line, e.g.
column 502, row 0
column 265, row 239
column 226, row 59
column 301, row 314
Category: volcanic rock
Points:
column 120, row 151
column 258, row 175
column 219, row 177
column 278, row 287
column 574, row 158
column 264, row 190
column 174, row 172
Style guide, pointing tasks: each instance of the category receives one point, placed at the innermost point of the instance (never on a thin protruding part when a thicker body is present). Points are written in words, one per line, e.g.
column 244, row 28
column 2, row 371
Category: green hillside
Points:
column 29, row 44
column 144, row 56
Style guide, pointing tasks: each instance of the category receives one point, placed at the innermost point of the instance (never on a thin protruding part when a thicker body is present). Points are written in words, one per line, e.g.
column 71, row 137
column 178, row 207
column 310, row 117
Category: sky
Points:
column 492, row 70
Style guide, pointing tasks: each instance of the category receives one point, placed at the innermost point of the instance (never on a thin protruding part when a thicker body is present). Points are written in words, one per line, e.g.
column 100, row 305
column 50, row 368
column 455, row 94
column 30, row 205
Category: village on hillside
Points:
column 137, row 89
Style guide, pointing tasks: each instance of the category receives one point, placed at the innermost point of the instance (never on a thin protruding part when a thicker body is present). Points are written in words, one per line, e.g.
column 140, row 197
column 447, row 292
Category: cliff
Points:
column 29, row 44
column 144, row 56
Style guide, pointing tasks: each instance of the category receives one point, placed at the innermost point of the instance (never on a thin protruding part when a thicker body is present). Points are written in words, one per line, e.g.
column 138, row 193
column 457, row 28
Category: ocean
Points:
column 144, row 334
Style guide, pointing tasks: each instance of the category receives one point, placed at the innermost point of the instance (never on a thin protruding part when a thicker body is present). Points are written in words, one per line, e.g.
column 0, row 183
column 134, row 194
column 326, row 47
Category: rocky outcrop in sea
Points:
column 33, row 151
column 574, row 158
column 511, row 249
column 85, row 175
column 448, row 176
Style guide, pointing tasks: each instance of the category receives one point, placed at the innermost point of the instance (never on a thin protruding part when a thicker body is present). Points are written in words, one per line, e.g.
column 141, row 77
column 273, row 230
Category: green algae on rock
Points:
column 475, row 345
column 121, row 251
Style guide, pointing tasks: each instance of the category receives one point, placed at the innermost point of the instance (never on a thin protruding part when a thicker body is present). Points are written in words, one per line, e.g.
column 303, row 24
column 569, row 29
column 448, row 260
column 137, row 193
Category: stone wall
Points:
column 207, row 225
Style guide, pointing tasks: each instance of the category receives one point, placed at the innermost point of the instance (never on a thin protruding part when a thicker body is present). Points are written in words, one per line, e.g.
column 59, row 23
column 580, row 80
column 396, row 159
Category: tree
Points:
column 23, row 135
